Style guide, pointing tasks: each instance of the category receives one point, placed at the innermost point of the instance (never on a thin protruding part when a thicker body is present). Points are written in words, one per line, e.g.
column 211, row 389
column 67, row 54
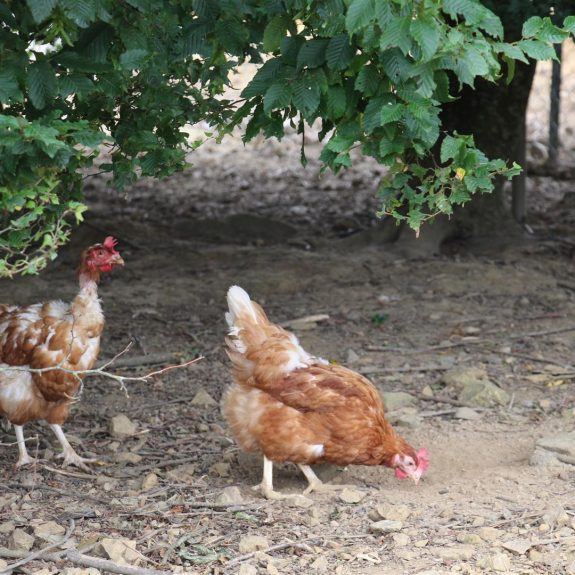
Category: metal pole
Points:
column 554, row 109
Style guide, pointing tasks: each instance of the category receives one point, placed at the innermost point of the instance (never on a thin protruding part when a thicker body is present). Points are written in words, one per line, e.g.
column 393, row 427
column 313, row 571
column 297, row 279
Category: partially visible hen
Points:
column 292, row 406
column 45, row 335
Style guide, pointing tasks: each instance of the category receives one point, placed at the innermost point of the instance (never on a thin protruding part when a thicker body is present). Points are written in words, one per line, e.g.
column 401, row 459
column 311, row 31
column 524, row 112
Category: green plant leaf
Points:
column 41, row 9
column 274, row 33
column 359, row 14
column 532, row 26
column 537, row 50
column 41, row 83
column 426, row 33
column 312, row 53
column 339, row 52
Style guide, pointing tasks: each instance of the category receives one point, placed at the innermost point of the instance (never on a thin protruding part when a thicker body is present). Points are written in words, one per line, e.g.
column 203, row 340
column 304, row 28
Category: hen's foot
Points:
column 321, row 487
column 25, row 460
column 70, row 457
column 269, row 493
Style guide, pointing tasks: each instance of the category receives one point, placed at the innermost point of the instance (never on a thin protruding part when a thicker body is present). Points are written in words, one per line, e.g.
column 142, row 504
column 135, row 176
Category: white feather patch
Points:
column 317, row 449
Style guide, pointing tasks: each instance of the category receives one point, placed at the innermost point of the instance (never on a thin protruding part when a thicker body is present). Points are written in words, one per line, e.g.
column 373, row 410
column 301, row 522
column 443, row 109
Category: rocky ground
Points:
column 472, row 352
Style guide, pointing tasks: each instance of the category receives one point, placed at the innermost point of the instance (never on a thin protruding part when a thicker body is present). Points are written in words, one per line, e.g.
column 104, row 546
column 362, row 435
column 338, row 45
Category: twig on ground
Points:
column 110, row 566
column 447, row 400
column 68, row 473
column 437, row 413
column 159, row 464
column 369, row 369
column 278, row 547
column 531, row 358
column 37, row 554
column 101, row 371
column 140, row 360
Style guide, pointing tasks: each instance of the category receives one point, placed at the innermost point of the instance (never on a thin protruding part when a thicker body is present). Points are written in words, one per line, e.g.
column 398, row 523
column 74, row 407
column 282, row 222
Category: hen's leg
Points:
column 68, row 454
column 316, row 484
column 266, row 487
column 23, row 458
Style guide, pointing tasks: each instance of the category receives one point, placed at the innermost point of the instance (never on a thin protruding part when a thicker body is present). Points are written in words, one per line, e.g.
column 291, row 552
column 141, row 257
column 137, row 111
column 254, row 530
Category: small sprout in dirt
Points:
column 200, row 554
column 379, row 318
column 335, row 514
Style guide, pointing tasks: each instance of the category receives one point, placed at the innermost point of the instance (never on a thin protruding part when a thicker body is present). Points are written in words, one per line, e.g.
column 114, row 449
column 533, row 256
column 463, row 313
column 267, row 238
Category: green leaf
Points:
column 278, row 95
column 510, row 70
column 532, row 26
column 339, row 52
column 312, row 53
column 511, row 51
column 397, row 34
column 551, row 33
column 391, row 113
column 82, row 12
column 133, row 59
column 306, row 95
column 263, row 78
column 450, row 148
column 537, row 50
column 426, row 33
column 336, row 102
column 274, row 32
column 569, row 24
column 41, row 83
column 9, row 88
column 359, row 14
column 368, row 80
column 41, row 9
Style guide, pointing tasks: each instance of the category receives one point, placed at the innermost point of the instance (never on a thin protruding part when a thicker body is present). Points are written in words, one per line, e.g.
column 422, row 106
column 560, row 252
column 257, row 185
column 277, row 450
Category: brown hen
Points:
column 45, row 335
column 292, row 406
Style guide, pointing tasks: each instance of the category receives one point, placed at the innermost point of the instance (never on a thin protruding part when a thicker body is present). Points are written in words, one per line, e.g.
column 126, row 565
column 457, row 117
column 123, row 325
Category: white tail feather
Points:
column 238, row 301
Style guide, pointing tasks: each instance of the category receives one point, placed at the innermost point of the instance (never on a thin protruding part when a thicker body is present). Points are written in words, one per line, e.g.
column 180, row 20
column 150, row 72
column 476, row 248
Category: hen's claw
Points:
column 70, row 457
column 25, row 460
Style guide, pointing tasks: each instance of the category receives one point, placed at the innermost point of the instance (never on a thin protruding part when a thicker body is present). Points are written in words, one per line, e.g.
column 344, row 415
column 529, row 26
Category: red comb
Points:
column 110, row 243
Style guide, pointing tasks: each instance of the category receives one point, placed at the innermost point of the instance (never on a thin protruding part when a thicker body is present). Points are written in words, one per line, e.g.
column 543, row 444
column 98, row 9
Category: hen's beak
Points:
column 116, row 260
column 416, row 475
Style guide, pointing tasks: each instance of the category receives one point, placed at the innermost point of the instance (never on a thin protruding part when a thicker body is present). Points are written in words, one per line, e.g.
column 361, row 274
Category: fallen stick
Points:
column 9, row 568
column 139, row 360
column 447, row 400
column 110, row 566
column 278, row 547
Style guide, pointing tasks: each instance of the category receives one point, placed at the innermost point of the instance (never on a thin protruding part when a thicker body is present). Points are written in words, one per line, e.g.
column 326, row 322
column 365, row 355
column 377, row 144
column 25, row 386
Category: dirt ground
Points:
column 299, row 244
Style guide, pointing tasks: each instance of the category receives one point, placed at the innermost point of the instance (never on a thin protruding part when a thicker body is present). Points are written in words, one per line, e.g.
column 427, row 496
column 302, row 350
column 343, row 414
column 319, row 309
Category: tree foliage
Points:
column 78, row 77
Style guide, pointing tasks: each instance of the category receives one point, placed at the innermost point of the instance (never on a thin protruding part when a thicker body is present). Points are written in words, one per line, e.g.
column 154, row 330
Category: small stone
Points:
column 247, row 569
column 150, row 481
column 556, row 516
column 272, row 569
column 499, row 562
column 467, row 413
column 121, row 427
column 222, row 469
column 7, row 527
column 411, row 420
column 128, row 457
column 570, row 568
column 459, row 553
column 203, row 427
column 401, row 539
column 122, row 551
column 49, row 531
column 469, row 539
column 421, row 543
column 251, row 543
column 386, row 526
column 544, row 528
column 478, row 521
column 352, row 357
column 183, row 473
column 490, row 533
column 393, row 512
column 299, row 501
column 544, row 458
column 203, row 398
column 393, row 400
column 563, row 443
column 474, row 387
column 79, row 571
column 3, row 564
column 517, row 546
column 351, row 495
column 535, row 555
column 320, row 564
column 230, row 496
column 20, row 540
column 427, row 391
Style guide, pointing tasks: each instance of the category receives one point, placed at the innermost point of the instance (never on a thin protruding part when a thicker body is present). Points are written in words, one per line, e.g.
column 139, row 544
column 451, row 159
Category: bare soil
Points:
column 300, row 245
